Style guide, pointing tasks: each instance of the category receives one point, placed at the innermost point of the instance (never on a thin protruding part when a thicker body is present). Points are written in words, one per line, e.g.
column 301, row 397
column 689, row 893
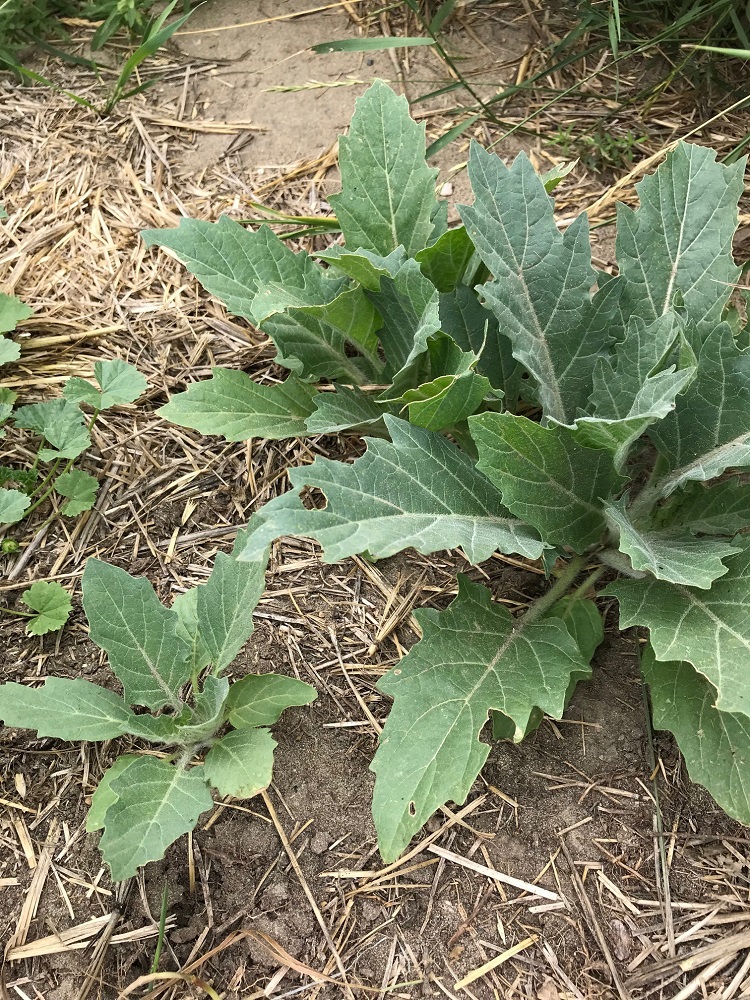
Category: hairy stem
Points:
column 562, row 585
column 650, row 493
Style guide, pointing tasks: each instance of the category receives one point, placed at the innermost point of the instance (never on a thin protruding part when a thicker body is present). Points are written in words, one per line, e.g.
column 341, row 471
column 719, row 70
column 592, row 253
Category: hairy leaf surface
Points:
column 677, row 557
column 417, row 490
column 723, row 509
column 241, row 763
column 226, row 603
column 476, row 329
column 676, row 248
column 343, row 409
column 408, row 303
column 388, row 191
column 542, row 280
column 546, row 477
column 473, row 658
column 259, row 699
column 363, row 265
column 127, row 620
column 66, row 709
column 231, row 404
column 316, row 341
column 155, row 804
column 103, row 797
column 710, row 629
column 239, row 266
column 185, row 606
column 715, row 744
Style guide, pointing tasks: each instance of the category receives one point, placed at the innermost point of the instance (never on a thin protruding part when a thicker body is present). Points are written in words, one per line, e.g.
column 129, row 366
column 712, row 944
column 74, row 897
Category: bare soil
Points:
column 596, row 797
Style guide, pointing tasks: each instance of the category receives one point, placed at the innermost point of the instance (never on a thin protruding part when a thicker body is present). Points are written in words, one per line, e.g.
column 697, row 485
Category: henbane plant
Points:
column 205, row 732
column 514, row 399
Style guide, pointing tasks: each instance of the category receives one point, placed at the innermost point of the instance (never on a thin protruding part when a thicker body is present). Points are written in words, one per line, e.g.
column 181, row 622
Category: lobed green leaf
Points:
column 232, row 405
column 473, row 658
column 416, row 490
column 546, row 477
column 715, row 744
column 388, row 192
column 127, row 620
column 155, row 803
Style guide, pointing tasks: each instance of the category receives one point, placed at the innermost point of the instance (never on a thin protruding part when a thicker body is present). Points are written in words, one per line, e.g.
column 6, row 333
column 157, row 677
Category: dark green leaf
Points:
column 546, row 478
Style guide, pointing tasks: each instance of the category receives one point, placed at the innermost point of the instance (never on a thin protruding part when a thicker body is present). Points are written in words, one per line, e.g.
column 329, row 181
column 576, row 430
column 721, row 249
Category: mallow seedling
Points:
column 515, row 399
column 206, row 733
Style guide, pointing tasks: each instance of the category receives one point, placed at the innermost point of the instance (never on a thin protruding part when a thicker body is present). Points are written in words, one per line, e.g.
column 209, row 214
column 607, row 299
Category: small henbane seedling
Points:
column 515, row 399
column 169, row 661
column 64, row 433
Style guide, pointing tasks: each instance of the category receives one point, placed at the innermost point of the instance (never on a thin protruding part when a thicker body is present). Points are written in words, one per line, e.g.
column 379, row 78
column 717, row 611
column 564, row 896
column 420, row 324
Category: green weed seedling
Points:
column 144, row 802
column 65, row 433
column 532, row 405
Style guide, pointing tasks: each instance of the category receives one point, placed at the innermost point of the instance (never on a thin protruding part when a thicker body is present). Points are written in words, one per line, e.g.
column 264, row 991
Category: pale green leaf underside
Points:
column 155, row 804
column 546, row 478
column 52, row 604
column 259, row 699
column 364, row 266
column 127, row 621
column 676, row 248
column 710, row 629
column 13, row 504
column 418, row 490
column 65, row 709
column 715, row 744
column 473, row 658
column 388, row 191
column 241, row 763
column 232, row 405
column 677, row 557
